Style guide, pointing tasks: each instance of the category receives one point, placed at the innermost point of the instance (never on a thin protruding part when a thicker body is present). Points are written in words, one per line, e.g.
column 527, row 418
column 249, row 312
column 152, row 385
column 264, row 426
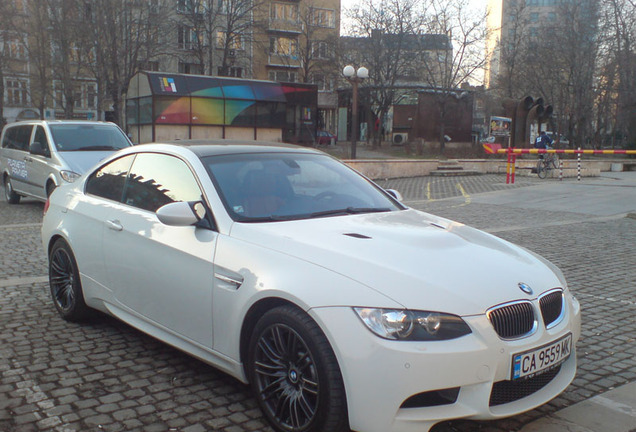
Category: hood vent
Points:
column 356, row 235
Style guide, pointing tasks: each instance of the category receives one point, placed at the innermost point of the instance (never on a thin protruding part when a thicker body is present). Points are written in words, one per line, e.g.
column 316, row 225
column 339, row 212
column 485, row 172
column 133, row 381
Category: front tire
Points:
column 294, row 374
column 64, row 280
column 9, row 194
column 555, row 161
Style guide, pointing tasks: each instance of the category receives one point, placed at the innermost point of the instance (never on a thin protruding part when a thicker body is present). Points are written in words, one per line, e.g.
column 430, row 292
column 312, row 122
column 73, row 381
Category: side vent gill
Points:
column 356, row 235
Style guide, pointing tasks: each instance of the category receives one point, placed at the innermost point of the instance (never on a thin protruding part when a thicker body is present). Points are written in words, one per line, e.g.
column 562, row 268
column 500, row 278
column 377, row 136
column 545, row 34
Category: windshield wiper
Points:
column 97, row 147
column 350, row 210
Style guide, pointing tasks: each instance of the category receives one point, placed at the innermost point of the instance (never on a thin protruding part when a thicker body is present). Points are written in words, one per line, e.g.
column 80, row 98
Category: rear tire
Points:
column 294, row 374
column 542, row 171
column 65, row 284
column 9, row 194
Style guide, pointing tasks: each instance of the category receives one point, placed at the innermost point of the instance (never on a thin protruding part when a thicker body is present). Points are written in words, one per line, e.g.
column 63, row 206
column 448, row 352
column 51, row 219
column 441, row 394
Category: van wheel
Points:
column 9, row 194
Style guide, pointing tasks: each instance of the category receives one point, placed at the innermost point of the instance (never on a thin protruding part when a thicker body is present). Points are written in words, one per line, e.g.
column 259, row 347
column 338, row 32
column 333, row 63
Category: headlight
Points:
column 69, row 176
column 399, row 324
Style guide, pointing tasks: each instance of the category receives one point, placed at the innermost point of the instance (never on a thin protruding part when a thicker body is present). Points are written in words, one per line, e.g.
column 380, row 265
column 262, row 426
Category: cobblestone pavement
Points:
column 106, row 376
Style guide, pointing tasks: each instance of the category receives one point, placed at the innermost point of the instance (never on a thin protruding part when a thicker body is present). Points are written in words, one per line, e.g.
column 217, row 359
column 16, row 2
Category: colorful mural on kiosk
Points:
column 180, row 99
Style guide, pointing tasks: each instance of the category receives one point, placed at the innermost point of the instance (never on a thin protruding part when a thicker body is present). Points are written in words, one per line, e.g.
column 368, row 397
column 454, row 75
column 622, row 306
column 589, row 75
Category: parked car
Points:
column 340, row 306
column 37, row 156
column 324, row 137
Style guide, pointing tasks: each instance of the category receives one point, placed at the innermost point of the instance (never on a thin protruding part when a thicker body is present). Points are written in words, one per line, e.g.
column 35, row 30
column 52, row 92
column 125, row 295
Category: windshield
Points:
column 286, row 186
column 87, row 137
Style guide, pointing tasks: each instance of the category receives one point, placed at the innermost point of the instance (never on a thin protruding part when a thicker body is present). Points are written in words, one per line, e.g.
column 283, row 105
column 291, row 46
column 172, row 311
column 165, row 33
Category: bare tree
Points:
column 512, row 53
column 69, row 59
column 467, row 34
column 616, row 103
column 123, row 37
column 388, row 48
column 560, row 66
column 235, row 30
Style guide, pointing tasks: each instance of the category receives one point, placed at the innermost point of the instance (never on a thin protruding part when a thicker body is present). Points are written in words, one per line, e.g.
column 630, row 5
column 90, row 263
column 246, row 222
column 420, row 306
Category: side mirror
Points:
column 395, row 194
column 36, row 148
column 181, row 213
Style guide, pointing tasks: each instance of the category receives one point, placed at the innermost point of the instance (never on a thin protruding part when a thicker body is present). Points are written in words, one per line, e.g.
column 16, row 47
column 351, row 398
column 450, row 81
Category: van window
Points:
column 17, row 137
column 40, row 136
column 87, row 137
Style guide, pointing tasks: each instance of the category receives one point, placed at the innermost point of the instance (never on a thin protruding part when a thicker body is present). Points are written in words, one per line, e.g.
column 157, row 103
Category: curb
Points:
column 613, row 411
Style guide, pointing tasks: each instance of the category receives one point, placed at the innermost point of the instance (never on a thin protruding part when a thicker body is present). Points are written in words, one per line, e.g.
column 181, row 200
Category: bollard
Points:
column 560, row 170
column 578, row 165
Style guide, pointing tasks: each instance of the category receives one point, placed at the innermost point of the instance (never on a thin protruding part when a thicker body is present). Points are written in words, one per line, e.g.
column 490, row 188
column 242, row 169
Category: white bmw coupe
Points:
column 341, row 307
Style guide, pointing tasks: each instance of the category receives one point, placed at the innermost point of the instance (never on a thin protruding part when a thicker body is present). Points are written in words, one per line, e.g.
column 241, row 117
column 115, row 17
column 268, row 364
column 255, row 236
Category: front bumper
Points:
column 380, row 375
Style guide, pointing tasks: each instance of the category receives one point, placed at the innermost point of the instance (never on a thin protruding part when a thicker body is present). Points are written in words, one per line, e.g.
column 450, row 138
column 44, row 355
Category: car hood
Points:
column 82, row 161
column 418, row 260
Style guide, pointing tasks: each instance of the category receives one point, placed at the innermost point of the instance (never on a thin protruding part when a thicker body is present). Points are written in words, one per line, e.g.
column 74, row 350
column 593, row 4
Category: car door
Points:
column 16, row 154
column 39, row 165
column 162, row 273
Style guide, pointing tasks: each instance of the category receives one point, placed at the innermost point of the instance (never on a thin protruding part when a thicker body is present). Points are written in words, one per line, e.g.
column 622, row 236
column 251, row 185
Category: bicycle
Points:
column 548, row 162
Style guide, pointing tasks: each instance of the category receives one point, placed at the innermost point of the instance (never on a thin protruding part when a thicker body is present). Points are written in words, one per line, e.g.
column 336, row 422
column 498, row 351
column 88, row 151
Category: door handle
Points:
column 28, row 159
column 114, row 225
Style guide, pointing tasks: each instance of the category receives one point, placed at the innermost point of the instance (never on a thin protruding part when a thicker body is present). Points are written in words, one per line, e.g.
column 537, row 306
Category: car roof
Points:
column 210, row 147
column 51, row 122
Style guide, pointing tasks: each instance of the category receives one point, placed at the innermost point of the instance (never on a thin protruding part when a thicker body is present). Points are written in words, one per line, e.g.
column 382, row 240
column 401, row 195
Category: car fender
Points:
column 268, row 274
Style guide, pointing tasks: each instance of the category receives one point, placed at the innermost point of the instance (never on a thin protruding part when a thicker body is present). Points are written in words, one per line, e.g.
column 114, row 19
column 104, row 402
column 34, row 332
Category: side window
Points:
column 108, row 181
column 158, row 179
column 17, row 137
column 40, row 136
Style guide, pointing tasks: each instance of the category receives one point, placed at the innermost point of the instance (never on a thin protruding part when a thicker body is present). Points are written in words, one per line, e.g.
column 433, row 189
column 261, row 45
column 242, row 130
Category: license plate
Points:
column 539, row 360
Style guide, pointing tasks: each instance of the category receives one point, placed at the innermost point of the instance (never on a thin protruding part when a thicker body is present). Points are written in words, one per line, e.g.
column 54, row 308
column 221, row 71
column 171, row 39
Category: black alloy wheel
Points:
column 294, row 374
column 64, row 280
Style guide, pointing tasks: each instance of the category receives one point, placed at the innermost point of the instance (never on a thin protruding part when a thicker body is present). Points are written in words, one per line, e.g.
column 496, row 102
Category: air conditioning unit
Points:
column 231, row 53
column 400, row 138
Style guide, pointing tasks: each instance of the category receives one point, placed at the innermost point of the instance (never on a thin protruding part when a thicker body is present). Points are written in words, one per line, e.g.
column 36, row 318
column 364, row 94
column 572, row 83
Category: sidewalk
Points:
column 613, row 411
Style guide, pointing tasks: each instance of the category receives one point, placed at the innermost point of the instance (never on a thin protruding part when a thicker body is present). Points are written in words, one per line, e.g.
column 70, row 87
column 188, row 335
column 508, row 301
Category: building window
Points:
column 320, row 50
column 551, row 16
column 184, row 6
column 284, row 12
column 20, row 6
column 16, row 92
column 15, row 49
column 534, row 17
column 283, row 76
column 236, row 72
column 184, row 37
column 323, row 18
column 283, row 46
column 91, row 96
column 190, row 68
column 237, row 42
column 322, row 82
column 149, row 66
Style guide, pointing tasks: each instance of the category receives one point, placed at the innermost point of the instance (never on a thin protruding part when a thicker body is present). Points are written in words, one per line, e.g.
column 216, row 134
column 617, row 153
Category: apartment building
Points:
column 277, row 40
column 513, row 23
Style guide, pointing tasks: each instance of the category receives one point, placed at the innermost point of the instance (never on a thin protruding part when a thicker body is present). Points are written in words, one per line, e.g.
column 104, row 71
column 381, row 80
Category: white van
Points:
column 37, row 156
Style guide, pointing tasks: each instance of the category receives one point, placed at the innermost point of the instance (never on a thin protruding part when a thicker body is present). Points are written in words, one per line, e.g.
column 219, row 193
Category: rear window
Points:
column 87, row 137
column 17, row 137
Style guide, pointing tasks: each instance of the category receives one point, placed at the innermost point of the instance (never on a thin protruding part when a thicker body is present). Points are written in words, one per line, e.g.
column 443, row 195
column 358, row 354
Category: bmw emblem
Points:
column 525, row 288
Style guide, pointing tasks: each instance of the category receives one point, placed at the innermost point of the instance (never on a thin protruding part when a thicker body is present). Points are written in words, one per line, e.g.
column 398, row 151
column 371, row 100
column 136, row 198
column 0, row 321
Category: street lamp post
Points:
column 355, row 78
